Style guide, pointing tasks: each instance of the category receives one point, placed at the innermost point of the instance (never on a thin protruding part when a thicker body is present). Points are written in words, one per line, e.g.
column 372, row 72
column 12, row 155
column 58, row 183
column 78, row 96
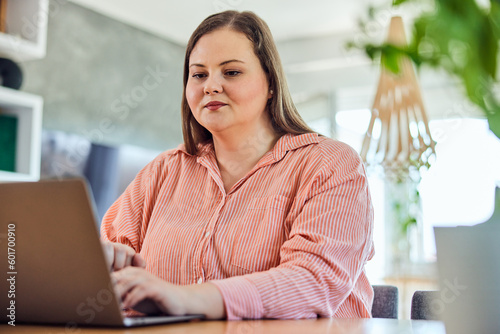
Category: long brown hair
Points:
column 284, row 115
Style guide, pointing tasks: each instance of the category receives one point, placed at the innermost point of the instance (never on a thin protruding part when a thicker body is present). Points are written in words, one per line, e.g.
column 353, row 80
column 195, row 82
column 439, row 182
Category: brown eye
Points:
column 232, row 73
column 198, row 75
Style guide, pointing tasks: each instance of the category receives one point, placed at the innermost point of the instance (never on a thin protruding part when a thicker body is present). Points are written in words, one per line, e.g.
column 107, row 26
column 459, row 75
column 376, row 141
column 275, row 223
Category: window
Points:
column 459, row 187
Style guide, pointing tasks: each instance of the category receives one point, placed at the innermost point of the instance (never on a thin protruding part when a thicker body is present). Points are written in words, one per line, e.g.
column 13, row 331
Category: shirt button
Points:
column 200, row 280
column 207, row 234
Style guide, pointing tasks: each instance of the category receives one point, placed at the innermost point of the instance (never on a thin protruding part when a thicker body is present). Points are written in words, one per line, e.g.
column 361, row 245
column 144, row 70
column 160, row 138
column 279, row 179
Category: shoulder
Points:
column 324, row 151
column 325, row 163
column 173, row 154
column 169, row 159
column 334, row 150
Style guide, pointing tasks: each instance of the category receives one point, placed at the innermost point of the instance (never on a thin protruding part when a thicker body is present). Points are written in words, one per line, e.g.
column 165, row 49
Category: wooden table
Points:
column 309, row 326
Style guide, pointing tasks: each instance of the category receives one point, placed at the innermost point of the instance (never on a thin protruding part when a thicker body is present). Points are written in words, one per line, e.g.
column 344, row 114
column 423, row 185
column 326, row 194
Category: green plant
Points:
column 460, row 37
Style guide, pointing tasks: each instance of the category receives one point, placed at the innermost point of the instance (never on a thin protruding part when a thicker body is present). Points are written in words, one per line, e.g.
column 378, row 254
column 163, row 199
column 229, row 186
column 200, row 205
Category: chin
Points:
column 215, row 125
column 214, row 130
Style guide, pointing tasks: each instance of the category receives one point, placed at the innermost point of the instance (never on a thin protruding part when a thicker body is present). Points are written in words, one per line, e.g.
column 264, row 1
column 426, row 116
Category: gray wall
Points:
column 108, row 81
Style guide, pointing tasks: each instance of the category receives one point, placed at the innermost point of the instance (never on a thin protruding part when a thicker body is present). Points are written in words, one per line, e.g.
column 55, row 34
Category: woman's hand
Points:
column 138, row 288
column 120, row 256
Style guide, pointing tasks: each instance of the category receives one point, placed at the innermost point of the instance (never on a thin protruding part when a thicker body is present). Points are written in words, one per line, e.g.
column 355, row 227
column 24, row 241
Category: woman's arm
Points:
column 136, row 285
column 126, row 221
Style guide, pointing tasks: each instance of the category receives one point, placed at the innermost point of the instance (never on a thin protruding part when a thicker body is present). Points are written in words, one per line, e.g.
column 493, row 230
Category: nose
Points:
column 212, row 86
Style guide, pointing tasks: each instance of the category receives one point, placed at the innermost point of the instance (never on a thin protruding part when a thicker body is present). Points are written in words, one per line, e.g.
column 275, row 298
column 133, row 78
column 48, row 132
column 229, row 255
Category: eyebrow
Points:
column 221, row 64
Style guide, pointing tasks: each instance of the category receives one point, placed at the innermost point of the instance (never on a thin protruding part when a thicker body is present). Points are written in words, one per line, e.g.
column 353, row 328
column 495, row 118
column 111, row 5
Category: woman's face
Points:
column 227, row 89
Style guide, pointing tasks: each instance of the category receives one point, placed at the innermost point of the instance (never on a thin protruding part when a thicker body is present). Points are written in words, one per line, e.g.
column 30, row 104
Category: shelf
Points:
column 25, row 39
column 27, row 108
column 26, row 35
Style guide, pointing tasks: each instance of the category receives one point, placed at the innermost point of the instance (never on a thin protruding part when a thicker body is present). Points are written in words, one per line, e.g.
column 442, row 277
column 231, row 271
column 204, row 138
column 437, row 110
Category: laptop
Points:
column 468, row 259
column 53, row 269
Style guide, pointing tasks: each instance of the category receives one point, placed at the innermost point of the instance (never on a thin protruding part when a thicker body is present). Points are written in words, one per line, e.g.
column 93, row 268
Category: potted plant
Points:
column 459, row 37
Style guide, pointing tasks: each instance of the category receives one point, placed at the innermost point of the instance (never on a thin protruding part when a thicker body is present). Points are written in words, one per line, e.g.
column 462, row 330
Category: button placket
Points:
column 205, row 241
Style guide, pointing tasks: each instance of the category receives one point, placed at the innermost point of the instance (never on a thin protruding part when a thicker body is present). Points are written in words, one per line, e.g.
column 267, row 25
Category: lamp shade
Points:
column 403, row 137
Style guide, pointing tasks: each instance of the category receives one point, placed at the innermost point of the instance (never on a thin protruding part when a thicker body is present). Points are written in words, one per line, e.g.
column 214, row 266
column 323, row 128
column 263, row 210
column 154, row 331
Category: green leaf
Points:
column 495, row 17
column 391, row 56
column 493, row 117
column 489, row 50
column 372, row 51
column 409, row 221
column 459, row 37
column 391, row 62
column 475, row 85
column 350, row 45
column 398, row 2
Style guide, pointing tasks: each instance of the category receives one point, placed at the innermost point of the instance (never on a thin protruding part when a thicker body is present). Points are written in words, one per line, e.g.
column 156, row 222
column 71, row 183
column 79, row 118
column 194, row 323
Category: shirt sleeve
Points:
column 321, row 272
column 126, row 221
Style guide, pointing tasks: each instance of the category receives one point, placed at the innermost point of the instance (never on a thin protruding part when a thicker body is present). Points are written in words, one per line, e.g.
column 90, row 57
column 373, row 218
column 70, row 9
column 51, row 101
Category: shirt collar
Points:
column 286, row 143
column 203, row 149
column 290, row 142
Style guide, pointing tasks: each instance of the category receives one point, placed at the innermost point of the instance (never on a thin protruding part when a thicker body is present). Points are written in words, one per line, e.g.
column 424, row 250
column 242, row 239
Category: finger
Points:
column 120, row 259
column 127, row 255
column 142, row 298
column 155, row 296
column 121, row 284
column 138, row 261
column 118, row 294
column 127, row 278
column 128, row 258
column 108, row 253
column 134, row 296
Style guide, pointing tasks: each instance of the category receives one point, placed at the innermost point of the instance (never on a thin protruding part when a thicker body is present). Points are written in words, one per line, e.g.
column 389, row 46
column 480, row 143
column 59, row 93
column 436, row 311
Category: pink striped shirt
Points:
column 289, row 240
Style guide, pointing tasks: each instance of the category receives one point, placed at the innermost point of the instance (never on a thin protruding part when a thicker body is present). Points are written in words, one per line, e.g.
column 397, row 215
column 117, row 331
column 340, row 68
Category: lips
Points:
column 214, row 105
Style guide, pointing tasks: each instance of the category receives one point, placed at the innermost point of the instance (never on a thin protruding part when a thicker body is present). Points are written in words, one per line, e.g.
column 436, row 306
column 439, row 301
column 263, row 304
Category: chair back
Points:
column 421, row 305
column 385, row 301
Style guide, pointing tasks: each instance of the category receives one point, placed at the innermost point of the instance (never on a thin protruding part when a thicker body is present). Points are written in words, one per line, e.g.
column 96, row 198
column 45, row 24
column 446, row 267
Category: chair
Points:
column 101, row 171
column 385, row 301
column 421, row 305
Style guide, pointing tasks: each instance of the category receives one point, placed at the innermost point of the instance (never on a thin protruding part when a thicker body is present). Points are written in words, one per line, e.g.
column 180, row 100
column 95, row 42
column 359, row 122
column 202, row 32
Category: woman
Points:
column 255, row 216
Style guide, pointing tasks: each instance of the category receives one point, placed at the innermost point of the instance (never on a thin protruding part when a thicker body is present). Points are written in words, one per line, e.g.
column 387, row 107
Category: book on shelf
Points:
column 8, row 142
column 3, row 15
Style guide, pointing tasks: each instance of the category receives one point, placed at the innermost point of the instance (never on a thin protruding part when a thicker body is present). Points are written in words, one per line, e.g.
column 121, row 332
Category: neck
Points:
column 239, row 153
